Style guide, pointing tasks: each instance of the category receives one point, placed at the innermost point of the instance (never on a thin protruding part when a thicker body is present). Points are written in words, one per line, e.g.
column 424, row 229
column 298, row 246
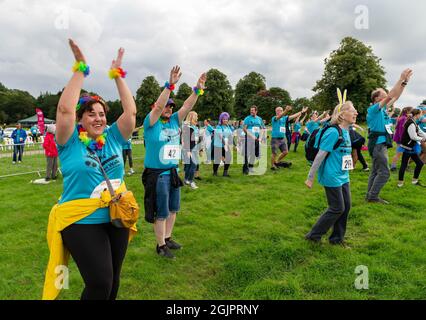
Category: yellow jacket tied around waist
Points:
column 61, row 216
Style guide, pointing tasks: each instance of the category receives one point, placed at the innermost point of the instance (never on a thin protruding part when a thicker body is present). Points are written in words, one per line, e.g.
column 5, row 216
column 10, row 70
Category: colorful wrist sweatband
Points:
column 169, row 86
column 198, row 91
column 117, row 72
column 82, row 67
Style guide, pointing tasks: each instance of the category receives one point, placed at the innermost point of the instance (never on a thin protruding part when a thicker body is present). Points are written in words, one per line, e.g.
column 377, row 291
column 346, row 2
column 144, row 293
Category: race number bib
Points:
column 255, row 129
column 347, row 163
column 171, row 152
column 389, row 128
column 282, row 130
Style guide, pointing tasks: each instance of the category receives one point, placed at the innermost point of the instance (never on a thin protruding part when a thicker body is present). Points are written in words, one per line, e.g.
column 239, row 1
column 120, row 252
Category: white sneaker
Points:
column 131, row 172
column 400, row 184
column 193, row 185
column 19, row 161
column 187, row 183
column 13, row 162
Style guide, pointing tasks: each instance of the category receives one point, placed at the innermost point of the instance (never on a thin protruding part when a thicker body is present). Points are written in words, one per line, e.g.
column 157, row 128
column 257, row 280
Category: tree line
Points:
column 353, row 66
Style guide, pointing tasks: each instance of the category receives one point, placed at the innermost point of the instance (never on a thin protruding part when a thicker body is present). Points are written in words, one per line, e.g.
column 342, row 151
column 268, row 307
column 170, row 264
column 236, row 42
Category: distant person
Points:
column 254, row 131
column 411, row 139
column 19, row 136
column 399, row 130
column 51, row 152
column 127, row 154
column 35, row 133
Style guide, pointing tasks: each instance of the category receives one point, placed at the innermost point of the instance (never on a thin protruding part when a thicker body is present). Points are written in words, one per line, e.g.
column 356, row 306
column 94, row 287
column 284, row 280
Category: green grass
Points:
column 242, row 237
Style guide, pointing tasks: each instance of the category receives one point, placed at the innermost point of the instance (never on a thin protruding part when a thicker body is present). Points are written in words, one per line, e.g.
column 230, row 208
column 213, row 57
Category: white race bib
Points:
column 171, row 152
column 96, row 193
column 255, row 129
column 347, row 163
column 389, row 128
column 282, row 130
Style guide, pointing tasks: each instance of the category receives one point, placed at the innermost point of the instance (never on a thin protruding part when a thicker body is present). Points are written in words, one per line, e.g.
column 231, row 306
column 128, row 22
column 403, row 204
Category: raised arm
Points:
column 127, row 121
column 161, row 102
column 398, row 89
column 297, row 115
column 286, row 110
column 303, row 119
column 190, row 102
column 66, row 113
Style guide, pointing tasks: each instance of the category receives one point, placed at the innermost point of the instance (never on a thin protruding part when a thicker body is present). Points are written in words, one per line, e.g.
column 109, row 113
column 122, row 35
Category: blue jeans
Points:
column 168, row 198
column 190, row 166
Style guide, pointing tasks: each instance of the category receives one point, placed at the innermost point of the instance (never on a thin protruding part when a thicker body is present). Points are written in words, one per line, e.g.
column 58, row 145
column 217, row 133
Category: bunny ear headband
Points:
column 342, row 99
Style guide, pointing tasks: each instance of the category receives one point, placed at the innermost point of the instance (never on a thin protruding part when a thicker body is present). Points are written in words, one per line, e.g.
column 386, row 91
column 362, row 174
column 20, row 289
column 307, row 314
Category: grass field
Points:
column 242, row 238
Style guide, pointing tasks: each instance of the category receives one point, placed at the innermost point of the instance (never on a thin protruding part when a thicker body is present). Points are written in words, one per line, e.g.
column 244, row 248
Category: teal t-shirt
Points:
column 83, row 178
column 254, row 124
column 162, row 143
column 311, row 126
column 128, row 145
column 377, row 120
column 209, row 130
column 330, row 173
column 297, row 126
column 223, row 133
column 279, row 127
column 422, row 125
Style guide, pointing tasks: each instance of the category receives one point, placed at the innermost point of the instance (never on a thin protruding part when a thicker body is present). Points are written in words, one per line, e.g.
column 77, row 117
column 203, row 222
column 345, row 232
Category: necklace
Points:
column 91, row 144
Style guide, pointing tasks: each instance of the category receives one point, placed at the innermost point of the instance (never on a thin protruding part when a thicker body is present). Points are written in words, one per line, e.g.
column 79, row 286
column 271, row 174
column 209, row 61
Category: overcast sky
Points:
column 286, row 41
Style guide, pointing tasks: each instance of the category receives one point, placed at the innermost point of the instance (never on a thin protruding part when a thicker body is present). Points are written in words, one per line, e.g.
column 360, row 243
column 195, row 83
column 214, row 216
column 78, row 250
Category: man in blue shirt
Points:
column 163, row 150
column 19, row 136
column 280, row 125
column 379, row 136
column 254, row 131
column 35, row 132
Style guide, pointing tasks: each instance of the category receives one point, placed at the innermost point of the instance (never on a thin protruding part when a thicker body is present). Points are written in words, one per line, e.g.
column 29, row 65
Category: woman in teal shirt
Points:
column 97, row 247
column 333, row 163
column 222, row 143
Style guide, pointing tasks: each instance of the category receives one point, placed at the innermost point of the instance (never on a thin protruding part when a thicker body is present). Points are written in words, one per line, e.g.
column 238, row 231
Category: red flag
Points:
column 40, row 120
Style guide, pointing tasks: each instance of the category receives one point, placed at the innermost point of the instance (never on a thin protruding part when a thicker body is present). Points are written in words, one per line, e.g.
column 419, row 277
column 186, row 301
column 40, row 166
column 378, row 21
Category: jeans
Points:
column 380, row 172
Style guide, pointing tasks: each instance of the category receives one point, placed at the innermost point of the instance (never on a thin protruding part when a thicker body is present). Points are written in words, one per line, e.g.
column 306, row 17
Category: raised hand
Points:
column 78, row 55
column 201, row 83
column 117, row 62
column 406, row 74
column 304, row 109
column 175, row 75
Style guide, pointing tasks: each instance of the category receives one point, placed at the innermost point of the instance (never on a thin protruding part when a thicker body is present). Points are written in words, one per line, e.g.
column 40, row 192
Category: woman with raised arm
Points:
column 80, row 223
column 160, row 179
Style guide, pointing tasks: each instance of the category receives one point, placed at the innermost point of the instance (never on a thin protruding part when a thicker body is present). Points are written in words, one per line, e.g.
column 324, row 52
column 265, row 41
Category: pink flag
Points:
column 40, row 120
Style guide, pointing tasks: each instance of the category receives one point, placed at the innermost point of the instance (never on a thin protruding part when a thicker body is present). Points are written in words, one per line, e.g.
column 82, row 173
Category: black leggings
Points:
column 127, row 153
column 404, row 163
column 98, row 250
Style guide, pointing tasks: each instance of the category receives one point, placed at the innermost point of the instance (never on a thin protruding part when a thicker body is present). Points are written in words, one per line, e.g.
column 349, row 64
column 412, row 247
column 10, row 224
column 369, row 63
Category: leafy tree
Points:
column 353, row 66
column 115, row 110
column 299, row 103
column 268, row 100
column 146, row 95
column 217, row 98
column 182, row 94
column 16, row 105
column 245, row 90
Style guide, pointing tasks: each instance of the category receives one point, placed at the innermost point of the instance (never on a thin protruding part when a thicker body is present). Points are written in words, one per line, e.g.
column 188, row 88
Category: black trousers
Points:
column 404, row 164
column 251, row 152
column 98, row 250
column 128, row 153
column 336, row 215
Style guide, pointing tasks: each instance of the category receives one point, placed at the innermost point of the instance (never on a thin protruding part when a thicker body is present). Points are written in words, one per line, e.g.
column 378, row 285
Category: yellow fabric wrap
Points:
column 61, row 216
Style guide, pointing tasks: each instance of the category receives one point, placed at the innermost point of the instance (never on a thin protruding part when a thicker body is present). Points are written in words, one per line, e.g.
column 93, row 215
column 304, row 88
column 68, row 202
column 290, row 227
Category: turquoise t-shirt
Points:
column 222, row 132
column 311, row 126
column 279, row 127
column 254, row 124
column 83, row 178
column 209, row 130
column 162, row 143
column 422, row 124
column 376, row 120
column 128, row 145
column 297, row 126
column 330, row 173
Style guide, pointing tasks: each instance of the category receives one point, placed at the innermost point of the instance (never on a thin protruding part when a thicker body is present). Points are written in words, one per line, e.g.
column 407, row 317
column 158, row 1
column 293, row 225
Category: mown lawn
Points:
column 242, row 238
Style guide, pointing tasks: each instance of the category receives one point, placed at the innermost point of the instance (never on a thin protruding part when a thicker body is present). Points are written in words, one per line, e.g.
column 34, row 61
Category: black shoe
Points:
column 215, row 174
column 171, row 244
column 198, row 178
column 47, row 179
column 274, row 168
column 225, row 174
column 313, row 241
column 393, row 169
column 164, row 251
column 284, row 164
column 54, row 178
column 378, row 200
column 343, row 244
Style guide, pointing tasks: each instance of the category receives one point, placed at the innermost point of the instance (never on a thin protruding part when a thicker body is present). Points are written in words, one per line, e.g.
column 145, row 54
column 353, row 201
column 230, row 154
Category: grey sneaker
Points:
column 378, row 200
column 171, row 244
column 164, row 251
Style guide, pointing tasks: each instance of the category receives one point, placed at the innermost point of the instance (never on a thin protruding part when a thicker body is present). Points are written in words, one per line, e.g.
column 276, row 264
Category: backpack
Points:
column 312, row 148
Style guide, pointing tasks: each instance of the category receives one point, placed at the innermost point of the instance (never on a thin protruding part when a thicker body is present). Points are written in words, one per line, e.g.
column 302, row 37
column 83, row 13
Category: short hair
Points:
column 86, row 103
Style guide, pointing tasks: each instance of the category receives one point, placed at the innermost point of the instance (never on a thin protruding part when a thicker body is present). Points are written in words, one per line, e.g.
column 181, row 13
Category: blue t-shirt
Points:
column 279, row 127
column 34, row 130
column 83, row 178
column 162, row 143
column 377, row 119
column 297, row 126
column 311, row 126
column 223, row 133
column 422, row 125
column 128, row 145
column 209, row 130
column 254, row 124
column 330, row 173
